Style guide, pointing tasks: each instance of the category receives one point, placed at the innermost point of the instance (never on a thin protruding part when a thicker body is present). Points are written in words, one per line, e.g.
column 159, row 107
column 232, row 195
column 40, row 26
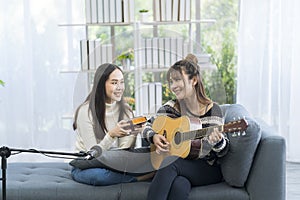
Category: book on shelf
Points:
column 187, row 10
column 155, row 47
column 112, row 11
column 168, row 10
column 100, row 11
column 152, row 97
column 98, row 53
column 88, row 11
column 181, row 10
column 149, row 58
column 104, row 54
column 109, row 53
column 161, row 52
column 125, row 10
column 94, row 8
column 131, row 11
column 175, row 9
column 91, row 55
column 142, row 53
column 179, row 48
column 155, row 96
column 186, row 49
column 106, row 11
column 162, row 10
column 167, row 51
column 84, row 54
column 156, row 11
column 173, row 50
column 119, row 10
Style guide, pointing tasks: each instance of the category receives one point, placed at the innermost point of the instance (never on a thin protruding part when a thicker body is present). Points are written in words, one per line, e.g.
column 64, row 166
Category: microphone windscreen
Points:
column 97, row 151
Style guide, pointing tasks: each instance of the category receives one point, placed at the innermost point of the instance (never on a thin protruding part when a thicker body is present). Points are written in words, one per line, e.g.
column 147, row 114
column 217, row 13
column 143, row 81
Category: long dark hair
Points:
column 96, row 101
column 190, row 65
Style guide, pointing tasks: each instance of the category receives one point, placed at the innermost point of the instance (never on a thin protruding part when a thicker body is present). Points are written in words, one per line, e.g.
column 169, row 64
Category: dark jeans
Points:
column 176, row 179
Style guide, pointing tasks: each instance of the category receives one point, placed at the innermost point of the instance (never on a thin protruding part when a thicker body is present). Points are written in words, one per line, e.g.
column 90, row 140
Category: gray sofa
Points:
column 265, row 179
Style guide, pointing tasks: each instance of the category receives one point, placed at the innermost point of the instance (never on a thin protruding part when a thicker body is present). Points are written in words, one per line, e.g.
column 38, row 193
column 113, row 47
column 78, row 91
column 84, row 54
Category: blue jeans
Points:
column 100, row 176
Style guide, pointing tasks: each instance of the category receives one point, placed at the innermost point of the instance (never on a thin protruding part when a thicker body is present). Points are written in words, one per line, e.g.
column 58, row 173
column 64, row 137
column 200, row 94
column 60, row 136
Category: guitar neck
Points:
column 200, row 133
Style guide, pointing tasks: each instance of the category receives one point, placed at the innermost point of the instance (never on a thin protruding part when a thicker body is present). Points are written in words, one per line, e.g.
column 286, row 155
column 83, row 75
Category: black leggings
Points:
column 176, row 179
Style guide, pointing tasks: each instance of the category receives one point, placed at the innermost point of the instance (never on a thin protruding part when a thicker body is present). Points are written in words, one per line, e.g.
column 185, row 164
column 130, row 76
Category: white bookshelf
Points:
column 140, row 66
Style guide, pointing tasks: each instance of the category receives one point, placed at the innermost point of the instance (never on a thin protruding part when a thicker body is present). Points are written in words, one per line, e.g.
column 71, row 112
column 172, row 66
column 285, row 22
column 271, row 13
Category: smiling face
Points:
column 114, row 86
column 181, row 85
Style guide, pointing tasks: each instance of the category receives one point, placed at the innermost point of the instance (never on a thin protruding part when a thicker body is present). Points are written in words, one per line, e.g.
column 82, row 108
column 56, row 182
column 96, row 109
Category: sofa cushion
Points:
column 236, row 164
column 52, row 180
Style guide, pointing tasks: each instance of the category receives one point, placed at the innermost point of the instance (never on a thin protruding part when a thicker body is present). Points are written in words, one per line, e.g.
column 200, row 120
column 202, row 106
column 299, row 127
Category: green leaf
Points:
column 2, row 83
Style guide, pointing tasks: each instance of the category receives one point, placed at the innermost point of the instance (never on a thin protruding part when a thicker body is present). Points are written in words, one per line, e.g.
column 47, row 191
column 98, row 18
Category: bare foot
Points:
column 146, row 176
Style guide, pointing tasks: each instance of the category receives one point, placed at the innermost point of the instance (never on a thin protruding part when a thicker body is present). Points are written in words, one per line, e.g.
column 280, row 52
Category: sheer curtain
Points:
column 34, row 49
column 268, row 66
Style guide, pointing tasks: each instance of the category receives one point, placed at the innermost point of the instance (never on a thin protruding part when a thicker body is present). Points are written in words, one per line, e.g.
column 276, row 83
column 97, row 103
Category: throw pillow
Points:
column 236, row 164
column 133, row 161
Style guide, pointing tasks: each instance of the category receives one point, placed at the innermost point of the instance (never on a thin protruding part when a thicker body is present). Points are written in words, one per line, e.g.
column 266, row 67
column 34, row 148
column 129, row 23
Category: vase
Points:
column 144, row 17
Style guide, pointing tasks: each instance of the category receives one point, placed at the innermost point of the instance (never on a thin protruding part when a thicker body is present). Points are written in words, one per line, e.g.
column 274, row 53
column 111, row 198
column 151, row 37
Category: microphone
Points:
column 94, row 152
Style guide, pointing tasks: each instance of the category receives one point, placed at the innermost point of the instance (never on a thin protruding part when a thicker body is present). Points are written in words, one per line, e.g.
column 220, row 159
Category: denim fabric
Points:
column 100, row 176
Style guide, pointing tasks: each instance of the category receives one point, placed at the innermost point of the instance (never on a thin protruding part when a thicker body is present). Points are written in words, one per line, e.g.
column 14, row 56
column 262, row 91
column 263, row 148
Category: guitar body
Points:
column 180, row 131
column 169, row 127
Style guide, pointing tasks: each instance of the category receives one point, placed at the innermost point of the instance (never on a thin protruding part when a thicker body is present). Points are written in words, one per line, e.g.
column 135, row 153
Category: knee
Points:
column 180, row 188
column 181, row 183
column 171, row 163
column 101, row 178
column 93, row 176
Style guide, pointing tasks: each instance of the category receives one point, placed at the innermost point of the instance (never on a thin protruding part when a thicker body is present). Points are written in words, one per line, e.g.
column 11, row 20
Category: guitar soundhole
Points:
column 177, row 138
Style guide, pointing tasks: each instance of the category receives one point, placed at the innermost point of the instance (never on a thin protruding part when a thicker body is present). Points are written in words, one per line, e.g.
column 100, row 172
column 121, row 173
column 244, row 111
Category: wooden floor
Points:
column 292, row 181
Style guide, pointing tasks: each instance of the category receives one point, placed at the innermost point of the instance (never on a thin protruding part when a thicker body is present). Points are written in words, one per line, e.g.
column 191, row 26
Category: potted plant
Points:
column 144, row 15
column 126, row 58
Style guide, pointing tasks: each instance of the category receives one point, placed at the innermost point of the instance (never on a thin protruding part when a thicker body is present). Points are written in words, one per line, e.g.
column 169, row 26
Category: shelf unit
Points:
column 137, row 35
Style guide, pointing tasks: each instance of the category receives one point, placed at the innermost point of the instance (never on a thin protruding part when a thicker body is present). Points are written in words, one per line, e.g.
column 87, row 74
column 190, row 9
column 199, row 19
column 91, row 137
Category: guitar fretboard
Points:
column 200, row 133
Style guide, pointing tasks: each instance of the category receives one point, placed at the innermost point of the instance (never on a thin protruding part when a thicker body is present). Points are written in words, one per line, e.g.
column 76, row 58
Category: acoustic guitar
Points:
column 179, row 133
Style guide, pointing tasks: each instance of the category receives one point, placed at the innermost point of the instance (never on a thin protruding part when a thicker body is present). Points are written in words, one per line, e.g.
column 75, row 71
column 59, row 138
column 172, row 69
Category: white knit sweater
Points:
column 85, row 133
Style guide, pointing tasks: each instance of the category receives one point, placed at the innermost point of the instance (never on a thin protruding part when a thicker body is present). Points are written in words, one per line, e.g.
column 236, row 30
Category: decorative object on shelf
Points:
column 126, row 58
column 130, row 101
column 144, row 15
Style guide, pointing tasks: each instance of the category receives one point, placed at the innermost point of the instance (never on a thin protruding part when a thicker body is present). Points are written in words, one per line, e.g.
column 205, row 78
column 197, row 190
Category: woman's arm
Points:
column 85, row 131
column 217, row 143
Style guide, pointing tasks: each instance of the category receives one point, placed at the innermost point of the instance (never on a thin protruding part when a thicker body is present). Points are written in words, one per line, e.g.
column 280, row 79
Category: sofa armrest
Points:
column 267, row 178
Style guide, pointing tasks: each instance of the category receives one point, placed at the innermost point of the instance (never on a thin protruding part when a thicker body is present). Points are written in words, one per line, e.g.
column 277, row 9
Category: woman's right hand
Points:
column 120, row 130
column 161, row 143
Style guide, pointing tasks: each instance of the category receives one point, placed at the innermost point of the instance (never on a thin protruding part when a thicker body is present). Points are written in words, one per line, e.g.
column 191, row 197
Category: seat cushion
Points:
column 48, row 181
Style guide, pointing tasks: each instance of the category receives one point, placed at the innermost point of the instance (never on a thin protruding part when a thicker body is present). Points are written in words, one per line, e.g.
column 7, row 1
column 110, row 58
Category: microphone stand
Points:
column 5, row 152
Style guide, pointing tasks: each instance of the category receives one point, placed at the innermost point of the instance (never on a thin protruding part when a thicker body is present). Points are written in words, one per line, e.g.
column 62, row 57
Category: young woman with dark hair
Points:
column 177, row 175
column 102, row 120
